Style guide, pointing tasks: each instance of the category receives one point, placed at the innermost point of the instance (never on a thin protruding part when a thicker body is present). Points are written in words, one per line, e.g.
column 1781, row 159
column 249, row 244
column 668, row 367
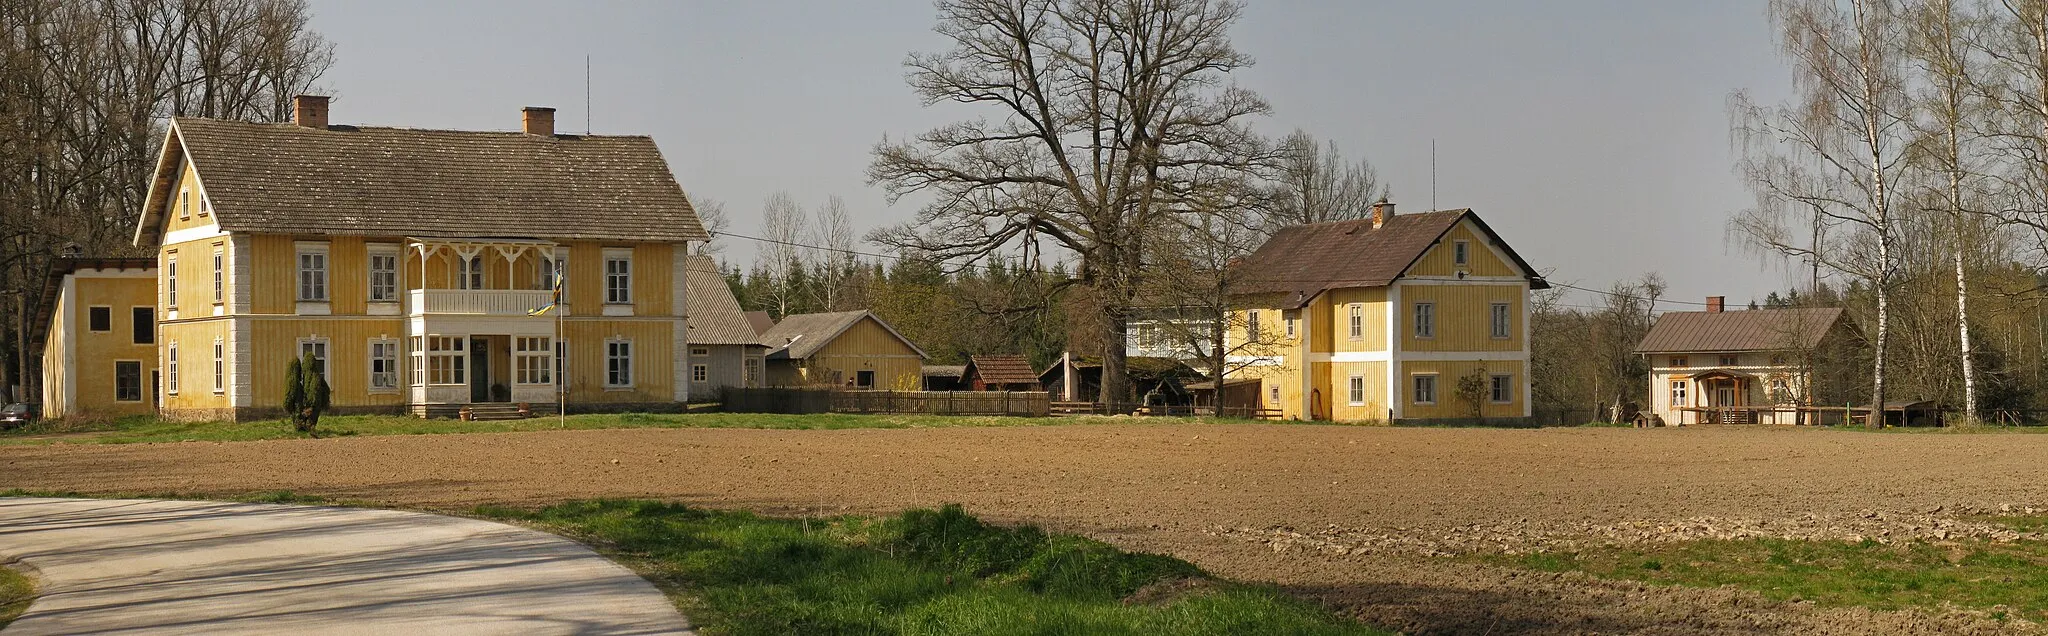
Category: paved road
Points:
column 148, row 567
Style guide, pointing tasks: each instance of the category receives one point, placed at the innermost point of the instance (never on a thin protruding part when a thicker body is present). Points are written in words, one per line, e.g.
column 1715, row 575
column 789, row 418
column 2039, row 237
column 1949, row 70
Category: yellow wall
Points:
column 1448, row 404
column 199, row 216
column 1464, row 319
column 1375, row 375
column 195, row 276
column 94, row 352
column 195, row 363
column 864, row 346
column 1373, row 310
column 653, row 360
column 1441, row 259
column 276, row 342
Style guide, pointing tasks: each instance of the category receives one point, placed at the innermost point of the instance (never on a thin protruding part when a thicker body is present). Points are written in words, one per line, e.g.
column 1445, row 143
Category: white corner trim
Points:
column 241, row 271
column 1394, row 313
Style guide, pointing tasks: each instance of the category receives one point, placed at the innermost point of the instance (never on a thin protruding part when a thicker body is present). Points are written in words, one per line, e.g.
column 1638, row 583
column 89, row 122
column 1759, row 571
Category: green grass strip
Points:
column 16, row 592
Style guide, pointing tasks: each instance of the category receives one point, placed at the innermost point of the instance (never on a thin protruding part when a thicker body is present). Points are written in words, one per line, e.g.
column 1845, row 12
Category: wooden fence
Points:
column 800, row 400
column 1098, row 408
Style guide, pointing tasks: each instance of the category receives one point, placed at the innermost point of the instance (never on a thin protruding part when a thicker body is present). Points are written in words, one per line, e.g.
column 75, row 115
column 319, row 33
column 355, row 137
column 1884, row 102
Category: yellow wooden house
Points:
column 844, row 349
column 96, row 330
column 419, row 267
column 1389, row 318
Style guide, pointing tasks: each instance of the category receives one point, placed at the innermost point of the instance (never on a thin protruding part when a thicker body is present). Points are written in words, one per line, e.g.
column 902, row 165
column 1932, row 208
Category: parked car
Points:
column 16, row 415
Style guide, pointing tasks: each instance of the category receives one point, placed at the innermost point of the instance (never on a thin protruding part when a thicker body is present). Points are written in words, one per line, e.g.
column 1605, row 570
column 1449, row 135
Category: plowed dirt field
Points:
column 1361, row 518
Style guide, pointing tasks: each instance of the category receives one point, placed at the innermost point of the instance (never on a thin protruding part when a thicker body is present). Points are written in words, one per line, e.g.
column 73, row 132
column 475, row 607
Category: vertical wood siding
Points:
column 275, row 342
column 195, row 363
column 1464, row 319
column 1448, row 404
column 1441, row 259
column 653, row 359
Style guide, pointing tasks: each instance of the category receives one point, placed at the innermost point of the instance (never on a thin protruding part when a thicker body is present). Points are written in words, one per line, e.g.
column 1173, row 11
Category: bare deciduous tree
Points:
column 781, row 258
column 1316, row 184
column 1102, row 114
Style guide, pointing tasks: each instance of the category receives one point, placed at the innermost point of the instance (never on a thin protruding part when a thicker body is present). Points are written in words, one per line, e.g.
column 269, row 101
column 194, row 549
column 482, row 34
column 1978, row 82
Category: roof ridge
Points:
column 362, row 127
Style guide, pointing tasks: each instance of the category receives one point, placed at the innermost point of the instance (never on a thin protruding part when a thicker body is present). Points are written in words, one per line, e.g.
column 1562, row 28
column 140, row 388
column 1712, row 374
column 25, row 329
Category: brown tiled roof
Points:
column 367, row 181
column 798, row 336
column 714, row 315
column 1003, row 369
column 1756, row 330
column 1304, row 260
column 761, row 321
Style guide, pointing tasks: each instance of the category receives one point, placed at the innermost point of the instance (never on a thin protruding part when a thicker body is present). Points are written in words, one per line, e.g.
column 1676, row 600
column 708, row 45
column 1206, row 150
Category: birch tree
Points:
column 1096, row 118
column 1951, row 110
column 781, row 257
column 1837, row 152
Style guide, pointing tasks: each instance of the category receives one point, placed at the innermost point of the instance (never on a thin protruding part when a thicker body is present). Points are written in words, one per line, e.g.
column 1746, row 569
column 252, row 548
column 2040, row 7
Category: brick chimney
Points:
column 1716, row 303
column 1381, row 212
column 537, row 120
column 310, row 111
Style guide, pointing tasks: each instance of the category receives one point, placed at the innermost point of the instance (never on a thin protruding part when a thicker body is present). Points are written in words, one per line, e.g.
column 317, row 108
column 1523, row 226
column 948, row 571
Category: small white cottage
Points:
column 1734, row 367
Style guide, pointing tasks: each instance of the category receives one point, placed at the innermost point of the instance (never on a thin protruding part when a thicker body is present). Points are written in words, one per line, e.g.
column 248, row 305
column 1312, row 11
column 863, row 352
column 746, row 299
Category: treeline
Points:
column 85, row 86
column 1908, row 181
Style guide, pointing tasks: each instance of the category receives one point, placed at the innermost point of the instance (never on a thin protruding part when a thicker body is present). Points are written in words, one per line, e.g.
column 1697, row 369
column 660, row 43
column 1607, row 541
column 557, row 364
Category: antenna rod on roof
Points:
column 586, row 95
column 1432, row 174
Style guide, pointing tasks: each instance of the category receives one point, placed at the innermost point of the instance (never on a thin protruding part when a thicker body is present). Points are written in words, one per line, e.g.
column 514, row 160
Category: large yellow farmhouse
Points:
column 1386, row 319
column 408, row 262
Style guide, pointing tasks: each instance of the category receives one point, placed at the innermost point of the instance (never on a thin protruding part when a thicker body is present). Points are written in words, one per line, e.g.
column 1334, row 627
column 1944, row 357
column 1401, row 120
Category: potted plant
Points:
column 525, row 410
column 465, row 414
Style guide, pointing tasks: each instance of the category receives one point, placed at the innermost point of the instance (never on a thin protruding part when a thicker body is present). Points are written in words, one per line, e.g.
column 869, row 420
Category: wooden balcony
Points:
column 479, row 302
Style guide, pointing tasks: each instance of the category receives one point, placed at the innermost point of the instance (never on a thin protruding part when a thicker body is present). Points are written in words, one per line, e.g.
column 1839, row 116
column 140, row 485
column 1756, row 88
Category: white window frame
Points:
column 171, row 280
column 1680, row 393
column 220, row 370
column 1500, row 388
column 451, row 355
column 1461, row 253
column 171, row 367
column 311, row 265
column 418, row 354
column 1273, row 396
column 389, row 356
column 184, row 204
column 700, row 373
column 533, row 361
column 618, row 363
column 220, row 283
column 618, row 285
column 1680, row 362
column 1357, row 320
column 1501, row 320
column 1289, row 317
column 700, row 352
column 1416, row 393
column 1358, row 390
column 1425, row 320
column 561, row 365
column 385, row 280
column 1251, row 326
column 469, row 272
column 753, row 371
column 322, row 352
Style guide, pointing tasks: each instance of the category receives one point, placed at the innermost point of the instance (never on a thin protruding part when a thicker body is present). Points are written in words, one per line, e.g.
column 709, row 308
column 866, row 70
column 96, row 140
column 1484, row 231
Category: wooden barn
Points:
column 1000, row 373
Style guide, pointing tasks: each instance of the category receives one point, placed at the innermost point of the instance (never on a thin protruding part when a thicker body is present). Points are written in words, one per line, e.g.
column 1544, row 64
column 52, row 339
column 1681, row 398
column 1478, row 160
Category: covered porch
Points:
column 483, row 328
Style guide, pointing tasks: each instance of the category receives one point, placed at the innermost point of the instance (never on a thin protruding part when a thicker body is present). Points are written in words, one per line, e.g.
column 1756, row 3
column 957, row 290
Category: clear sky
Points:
column 1593, row 134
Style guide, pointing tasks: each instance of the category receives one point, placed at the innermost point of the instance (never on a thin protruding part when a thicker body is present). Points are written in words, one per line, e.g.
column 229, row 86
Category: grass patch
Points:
column 2001, row 580
column 132, row 430
column 16, row 592
column 920, row 572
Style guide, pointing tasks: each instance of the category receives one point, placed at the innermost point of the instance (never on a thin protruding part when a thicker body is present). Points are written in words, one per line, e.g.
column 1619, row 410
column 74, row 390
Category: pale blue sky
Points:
column 1593, row 134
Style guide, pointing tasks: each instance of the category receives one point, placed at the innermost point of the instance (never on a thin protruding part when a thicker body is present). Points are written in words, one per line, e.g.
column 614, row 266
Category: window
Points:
column 864, row 379
column 555, row 271
column 128, row 381
column 312, row 276
column 700, row 373
column 1148, row 335
column 618, row 363
column 1425, row 320
column 204, row 207
column 1777, row 359
column 171, row 368
column 383, row 277
column 1425, row 389
column 445, row 359
column 1678, row 361
column 618, row 278
column 219, row 273
column 317, row 347
column 562, row 364
column 1729, row 361
column 1357, row 390
column 534, row 358
column 472, row 274
column 384, row 364
column 1273, row 396
column 1502, row 389
column 1502, row 320
column 1678, row 393
column 1357, row 311
column 142, row 320
column 1251, row 326
column 1461, row 253
column 753, row 372
column 184, row 204
column 419, row 360
column 220, row 367
column 171, row 281
column 100, row 318
column 1289, row 317
column 700, row 351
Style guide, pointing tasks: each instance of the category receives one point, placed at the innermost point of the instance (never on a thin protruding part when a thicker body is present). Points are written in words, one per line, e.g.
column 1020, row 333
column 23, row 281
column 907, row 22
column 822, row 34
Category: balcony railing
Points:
column 479, row 302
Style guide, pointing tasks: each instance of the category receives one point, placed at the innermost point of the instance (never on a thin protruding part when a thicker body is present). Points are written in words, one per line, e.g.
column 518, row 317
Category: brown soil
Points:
column 1349, row 516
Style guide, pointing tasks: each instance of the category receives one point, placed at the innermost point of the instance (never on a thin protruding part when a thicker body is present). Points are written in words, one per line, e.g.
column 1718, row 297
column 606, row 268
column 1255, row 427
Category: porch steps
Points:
column 481, row 412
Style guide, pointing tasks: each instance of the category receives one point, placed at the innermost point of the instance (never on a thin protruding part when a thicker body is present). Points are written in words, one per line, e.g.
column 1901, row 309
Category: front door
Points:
column 479, row 370
column 1724, row 393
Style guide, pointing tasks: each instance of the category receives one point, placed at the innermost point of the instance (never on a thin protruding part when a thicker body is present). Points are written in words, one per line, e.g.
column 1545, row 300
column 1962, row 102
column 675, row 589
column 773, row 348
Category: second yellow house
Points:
column 1389, row 318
